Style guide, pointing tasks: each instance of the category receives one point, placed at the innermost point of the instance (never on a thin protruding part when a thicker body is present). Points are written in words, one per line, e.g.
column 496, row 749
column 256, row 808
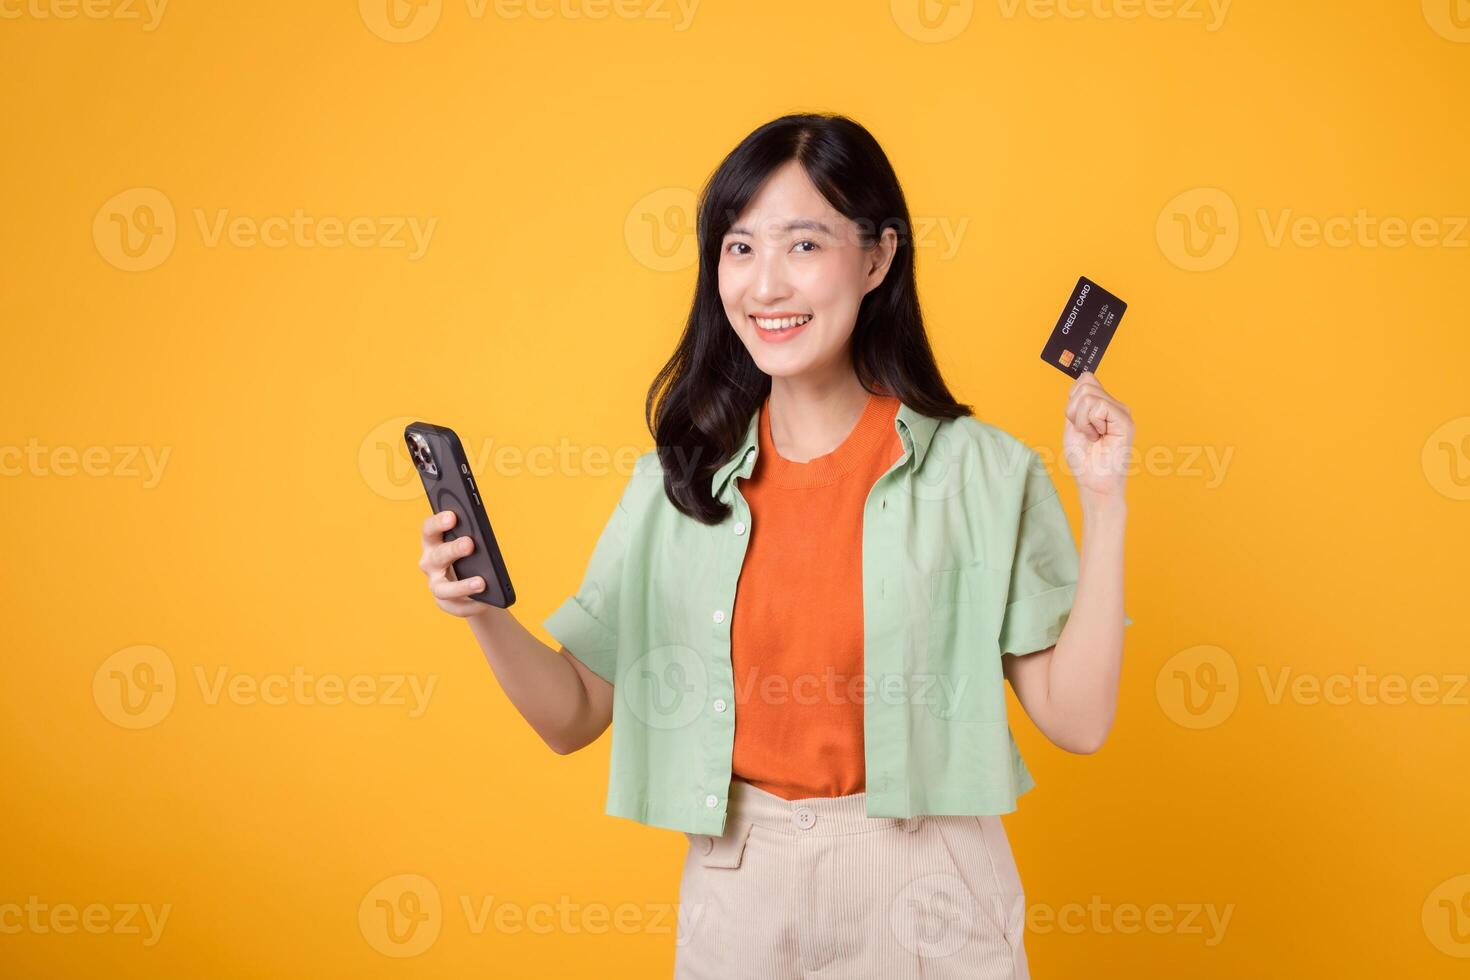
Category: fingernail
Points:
column 445, row 519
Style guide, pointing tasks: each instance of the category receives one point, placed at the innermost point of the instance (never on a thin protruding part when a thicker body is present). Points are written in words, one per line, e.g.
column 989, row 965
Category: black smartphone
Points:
column 438, row 456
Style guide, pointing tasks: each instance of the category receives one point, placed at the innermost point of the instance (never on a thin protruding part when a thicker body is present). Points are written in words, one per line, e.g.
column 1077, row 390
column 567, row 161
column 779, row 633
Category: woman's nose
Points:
column 770, row 281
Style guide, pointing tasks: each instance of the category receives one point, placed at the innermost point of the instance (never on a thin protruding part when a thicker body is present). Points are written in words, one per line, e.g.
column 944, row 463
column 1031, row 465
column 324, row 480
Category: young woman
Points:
column 800, row 616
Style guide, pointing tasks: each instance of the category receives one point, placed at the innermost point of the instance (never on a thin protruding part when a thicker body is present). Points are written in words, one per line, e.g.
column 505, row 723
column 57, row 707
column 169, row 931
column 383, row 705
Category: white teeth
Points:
column 782, row 323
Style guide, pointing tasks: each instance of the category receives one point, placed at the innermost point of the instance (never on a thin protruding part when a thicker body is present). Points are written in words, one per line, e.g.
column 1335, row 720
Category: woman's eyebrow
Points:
column 800, row 224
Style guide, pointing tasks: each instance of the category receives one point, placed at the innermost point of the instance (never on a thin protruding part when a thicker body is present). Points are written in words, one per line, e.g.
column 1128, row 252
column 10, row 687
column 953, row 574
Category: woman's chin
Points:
column 780, row 363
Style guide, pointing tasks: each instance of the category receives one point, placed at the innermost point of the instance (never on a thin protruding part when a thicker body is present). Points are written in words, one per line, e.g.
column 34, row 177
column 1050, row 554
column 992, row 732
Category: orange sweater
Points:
column 796, row 636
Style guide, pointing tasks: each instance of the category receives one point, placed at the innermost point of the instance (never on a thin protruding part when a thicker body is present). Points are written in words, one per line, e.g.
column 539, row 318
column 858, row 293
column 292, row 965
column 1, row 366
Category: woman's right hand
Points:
column 437, row 564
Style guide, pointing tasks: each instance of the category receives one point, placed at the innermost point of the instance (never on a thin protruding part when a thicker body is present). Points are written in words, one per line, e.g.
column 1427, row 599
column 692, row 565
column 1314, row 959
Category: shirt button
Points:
column 720, row 704
column 739, row 527
column 719, row 615
column 712, row 800
column 803, row 817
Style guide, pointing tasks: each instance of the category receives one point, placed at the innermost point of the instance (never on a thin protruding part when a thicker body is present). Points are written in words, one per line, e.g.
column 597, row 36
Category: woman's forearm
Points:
column 543, row 686
column 1084, row 669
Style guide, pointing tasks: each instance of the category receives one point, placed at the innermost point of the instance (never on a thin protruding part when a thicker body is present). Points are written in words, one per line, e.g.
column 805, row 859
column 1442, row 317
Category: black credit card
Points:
column 1084, row 329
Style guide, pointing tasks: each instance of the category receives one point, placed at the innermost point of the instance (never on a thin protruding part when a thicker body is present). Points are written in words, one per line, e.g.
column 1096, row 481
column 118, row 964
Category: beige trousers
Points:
column 814, row 889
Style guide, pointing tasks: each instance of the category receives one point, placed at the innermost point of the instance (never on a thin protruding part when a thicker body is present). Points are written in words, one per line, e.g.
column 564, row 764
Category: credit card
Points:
column 1084, row 329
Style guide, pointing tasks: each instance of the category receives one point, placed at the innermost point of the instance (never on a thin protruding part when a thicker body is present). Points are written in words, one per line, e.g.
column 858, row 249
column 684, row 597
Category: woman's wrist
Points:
column 1103, row 508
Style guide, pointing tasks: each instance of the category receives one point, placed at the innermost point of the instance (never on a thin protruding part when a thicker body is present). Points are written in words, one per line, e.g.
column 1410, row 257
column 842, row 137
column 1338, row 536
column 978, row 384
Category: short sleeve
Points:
column 1043, row 579
column 587, row 623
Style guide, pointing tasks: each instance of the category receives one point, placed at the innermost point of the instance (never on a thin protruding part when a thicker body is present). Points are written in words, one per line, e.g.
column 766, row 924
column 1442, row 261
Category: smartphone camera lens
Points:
column 423, row 456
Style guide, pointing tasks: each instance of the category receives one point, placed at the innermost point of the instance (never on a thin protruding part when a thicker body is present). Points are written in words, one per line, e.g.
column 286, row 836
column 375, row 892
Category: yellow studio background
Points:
column 243, row 243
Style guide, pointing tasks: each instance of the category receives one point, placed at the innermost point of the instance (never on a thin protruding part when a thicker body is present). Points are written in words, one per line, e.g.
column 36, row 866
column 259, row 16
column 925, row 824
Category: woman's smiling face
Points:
column 793, row 271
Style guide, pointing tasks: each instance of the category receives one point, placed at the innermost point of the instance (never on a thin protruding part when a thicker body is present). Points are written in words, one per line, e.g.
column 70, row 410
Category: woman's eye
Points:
column 735, row 245
column 806, row 241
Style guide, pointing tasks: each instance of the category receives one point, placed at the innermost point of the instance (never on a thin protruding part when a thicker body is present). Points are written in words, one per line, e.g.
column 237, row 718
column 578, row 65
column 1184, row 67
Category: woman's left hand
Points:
column 1098, row 438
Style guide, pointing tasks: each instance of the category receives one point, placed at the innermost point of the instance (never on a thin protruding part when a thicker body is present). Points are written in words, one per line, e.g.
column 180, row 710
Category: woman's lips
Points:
column 766, row 329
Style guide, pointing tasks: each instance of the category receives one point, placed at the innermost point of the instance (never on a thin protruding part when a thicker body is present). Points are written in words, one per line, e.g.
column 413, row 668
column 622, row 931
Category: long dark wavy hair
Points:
column 702, row 399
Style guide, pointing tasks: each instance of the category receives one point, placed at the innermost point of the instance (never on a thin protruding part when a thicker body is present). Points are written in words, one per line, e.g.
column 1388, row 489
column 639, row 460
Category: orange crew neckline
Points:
column 874, row 428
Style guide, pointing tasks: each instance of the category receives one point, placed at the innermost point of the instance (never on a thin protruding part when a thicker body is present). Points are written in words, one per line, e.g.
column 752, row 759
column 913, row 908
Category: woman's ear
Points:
column 879, row 258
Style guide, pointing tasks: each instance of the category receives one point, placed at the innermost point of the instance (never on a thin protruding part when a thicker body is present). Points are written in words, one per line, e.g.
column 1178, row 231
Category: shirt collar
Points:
column 915, row 431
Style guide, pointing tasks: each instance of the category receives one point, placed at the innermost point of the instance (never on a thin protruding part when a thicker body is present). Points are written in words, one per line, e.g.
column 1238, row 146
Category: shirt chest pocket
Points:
column 963, row 673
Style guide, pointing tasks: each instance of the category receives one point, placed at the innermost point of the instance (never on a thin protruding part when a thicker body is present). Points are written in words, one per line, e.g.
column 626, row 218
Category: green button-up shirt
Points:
column 967, row 554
